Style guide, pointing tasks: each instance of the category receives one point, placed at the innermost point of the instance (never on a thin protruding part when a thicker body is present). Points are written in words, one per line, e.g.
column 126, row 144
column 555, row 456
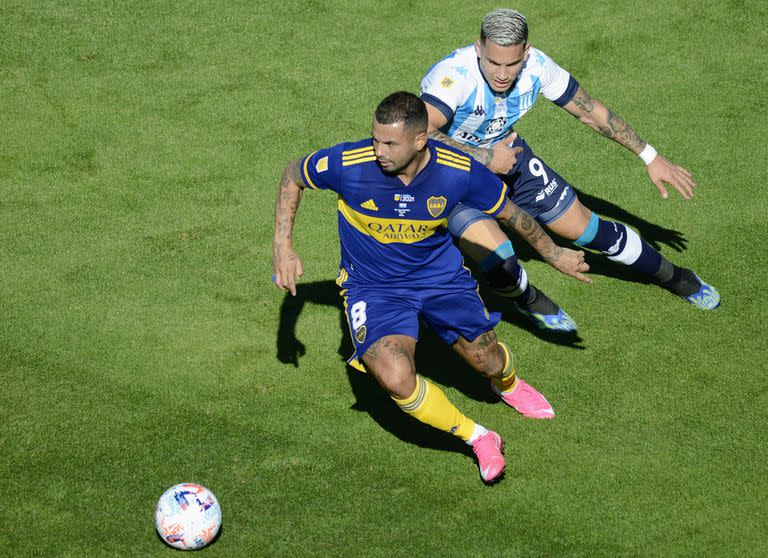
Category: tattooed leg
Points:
column 484, row 354
column 391, row 361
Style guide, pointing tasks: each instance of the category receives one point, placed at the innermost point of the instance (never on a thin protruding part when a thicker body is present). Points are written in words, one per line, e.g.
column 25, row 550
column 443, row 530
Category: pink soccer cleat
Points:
column 488, row 448
column 526, row 401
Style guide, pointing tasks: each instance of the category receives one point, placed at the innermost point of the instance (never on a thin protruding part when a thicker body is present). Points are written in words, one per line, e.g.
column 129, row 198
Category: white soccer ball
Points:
column 188, row 516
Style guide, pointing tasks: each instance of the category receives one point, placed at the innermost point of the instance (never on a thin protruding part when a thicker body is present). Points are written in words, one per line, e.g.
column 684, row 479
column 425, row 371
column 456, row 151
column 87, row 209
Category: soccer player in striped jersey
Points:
column 474, row 97
column 399, row 264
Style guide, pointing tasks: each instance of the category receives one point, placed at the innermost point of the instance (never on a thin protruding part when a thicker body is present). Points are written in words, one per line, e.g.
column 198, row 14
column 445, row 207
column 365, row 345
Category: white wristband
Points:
column 648, row 154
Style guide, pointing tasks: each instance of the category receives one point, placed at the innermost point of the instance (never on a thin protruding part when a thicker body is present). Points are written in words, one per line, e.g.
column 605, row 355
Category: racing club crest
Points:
column 436, row 205
column 496, row 125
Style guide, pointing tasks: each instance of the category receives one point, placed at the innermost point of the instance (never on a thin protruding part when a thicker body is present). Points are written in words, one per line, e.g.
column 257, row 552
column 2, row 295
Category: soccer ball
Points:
column 188, row 516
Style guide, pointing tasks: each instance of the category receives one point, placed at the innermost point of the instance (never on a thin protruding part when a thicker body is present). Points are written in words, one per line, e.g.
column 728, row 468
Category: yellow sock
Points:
column 429, row 404
column 508, row 380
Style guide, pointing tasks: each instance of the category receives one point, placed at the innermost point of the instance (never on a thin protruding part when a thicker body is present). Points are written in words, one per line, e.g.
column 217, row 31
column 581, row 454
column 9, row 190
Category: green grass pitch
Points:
column 142, row 343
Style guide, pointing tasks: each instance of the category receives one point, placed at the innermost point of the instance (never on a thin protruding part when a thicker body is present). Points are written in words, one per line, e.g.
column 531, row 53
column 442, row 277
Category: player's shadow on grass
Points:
column 653, row 234
column 506, row 307
column 289, row 347
column 434, row 360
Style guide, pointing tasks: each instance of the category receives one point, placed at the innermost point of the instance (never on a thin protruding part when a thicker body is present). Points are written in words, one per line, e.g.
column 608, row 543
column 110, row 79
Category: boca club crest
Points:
column 360, row 334
column 436, row 205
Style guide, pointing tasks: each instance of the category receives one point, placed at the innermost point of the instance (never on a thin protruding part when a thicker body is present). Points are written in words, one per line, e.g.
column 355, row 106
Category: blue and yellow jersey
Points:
column 393, row 234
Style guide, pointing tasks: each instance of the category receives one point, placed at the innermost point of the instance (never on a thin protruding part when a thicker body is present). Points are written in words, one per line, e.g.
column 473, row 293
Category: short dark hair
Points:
column 403, row 107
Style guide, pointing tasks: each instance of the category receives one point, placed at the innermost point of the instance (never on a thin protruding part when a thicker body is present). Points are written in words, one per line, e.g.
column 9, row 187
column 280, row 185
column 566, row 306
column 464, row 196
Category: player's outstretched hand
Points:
column 570, row 262
column 287, row 268
column 504, row 156
column 662, row 170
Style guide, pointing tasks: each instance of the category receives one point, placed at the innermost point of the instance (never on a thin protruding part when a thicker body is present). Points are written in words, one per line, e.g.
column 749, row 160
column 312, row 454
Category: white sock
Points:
column 479, row 430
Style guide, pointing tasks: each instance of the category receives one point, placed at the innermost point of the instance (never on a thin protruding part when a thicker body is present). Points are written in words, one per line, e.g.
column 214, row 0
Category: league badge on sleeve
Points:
column 322, row 164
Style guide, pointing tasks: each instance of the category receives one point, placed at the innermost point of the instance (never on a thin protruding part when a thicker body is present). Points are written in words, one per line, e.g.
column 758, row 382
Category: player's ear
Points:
column 527, row 51
column 478, row 46
column 421, row 140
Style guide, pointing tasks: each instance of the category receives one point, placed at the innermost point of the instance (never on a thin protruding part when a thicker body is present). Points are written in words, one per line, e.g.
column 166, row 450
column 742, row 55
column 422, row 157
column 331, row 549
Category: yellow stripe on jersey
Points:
column 339, row 281
column 306, row 174
column 449, row 163
column 343, row 276
column 354, row 156
column 387, row 231
column 452, row 155
column 358, row 150
column 454, row 160
column 365, row 159
column 501, row 199
column 354, row 361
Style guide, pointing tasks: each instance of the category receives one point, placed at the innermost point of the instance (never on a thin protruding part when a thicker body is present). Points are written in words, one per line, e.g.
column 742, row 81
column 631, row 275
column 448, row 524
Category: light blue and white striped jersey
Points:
column 476, row 114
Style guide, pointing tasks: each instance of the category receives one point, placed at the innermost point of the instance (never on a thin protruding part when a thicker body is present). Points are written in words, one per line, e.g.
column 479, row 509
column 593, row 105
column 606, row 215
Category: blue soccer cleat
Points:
column 689, row 286
column 560, row 322
column 707, row 297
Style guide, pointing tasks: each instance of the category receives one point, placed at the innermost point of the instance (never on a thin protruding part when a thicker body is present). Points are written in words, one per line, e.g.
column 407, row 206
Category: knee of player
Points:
column 397, row 378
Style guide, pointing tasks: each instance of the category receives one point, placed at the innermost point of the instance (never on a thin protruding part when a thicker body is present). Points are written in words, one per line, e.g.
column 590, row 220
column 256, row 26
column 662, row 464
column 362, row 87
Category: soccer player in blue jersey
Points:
column 474, row 97
column 399, row 265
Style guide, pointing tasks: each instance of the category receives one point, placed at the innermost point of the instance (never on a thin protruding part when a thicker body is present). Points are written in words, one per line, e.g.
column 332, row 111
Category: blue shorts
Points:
column 533, row 186
column 451, row 310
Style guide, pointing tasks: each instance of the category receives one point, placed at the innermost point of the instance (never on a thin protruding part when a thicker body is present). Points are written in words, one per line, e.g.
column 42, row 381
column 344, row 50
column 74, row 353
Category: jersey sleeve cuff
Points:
column 305, row 172
column 439, row 105
column 496, row 209
column 570, row 91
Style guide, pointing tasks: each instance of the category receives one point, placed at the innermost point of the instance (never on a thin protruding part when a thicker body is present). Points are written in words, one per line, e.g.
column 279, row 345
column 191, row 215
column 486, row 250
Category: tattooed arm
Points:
column 483, row 155
column 565, row 260
column 603, row 120
column 499, row 158
column 286, row 264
